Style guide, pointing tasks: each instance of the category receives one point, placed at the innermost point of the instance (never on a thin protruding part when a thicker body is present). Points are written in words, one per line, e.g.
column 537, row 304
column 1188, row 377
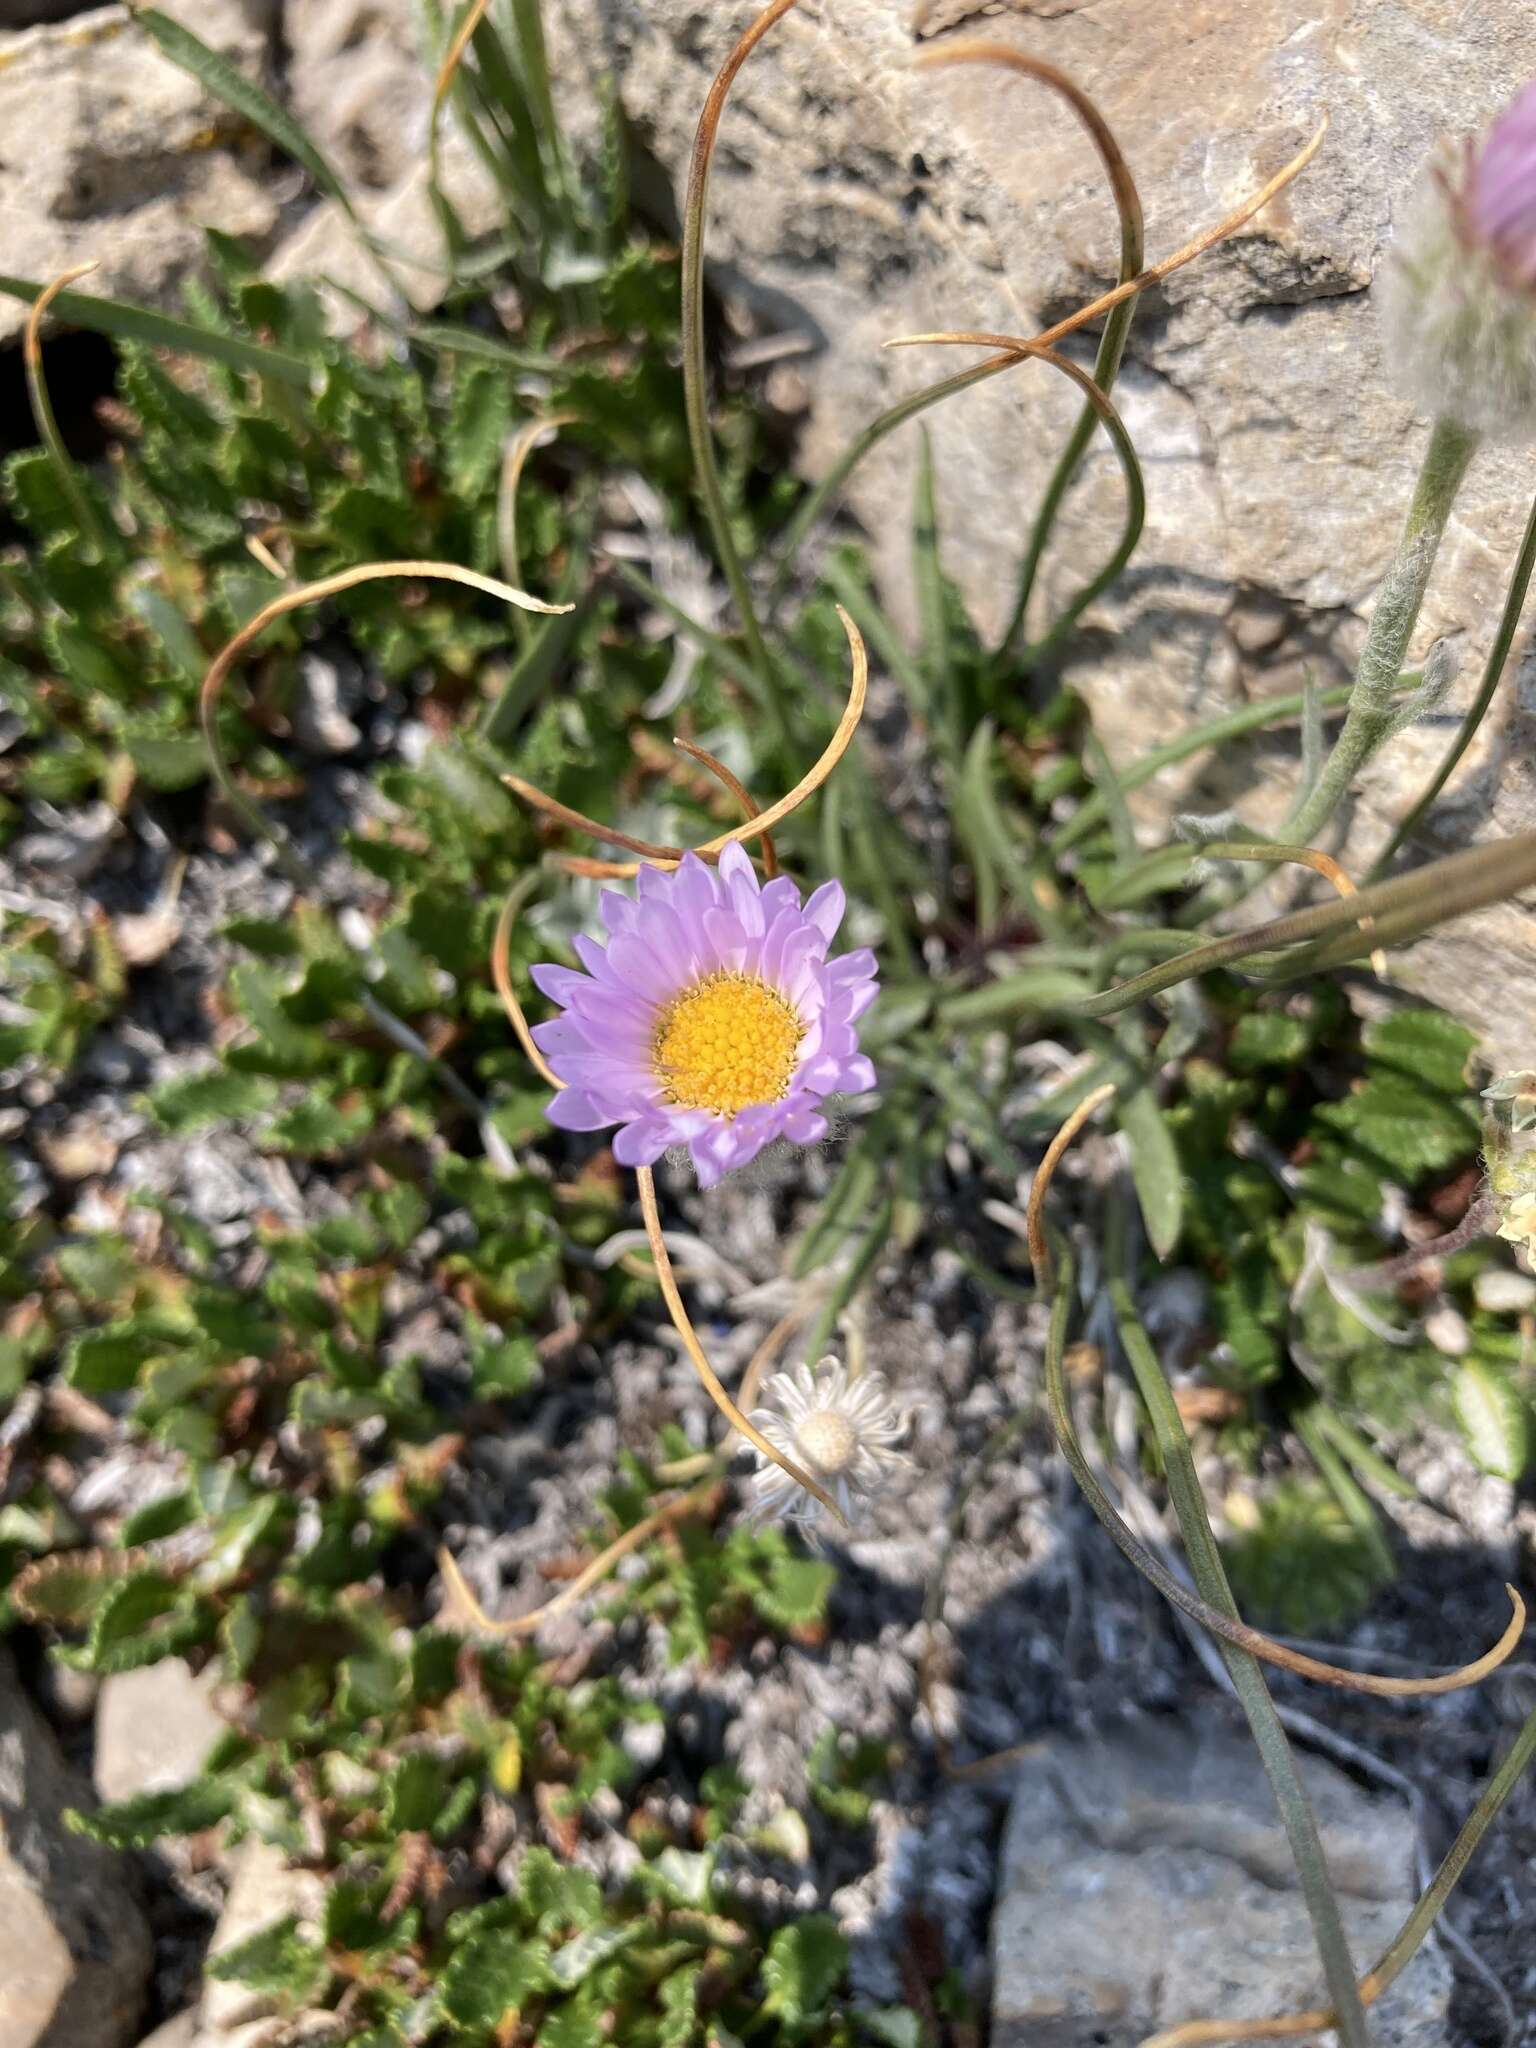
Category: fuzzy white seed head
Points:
column 1460, row 329
column 841, row 1429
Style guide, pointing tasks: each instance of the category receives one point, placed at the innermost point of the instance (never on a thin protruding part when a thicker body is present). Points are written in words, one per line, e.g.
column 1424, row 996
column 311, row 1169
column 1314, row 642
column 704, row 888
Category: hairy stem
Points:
column 1493, row 668
column 1398, row 603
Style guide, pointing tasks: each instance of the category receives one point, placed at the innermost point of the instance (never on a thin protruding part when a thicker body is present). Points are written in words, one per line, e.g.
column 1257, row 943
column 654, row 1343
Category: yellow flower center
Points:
column 728, row 1042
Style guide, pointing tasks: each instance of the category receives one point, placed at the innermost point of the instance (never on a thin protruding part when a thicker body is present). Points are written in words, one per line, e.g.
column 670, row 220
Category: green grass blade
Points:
column 161, row 330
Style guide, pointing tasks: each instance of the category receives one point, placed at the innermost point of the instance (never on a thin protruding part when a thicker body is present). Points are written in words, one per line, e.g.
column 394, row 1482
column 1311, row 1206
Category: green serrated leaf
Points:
column 803, row 1968
column 278, row 1961
column 217, row 1096
column 147, row 1818
column 492, row 1977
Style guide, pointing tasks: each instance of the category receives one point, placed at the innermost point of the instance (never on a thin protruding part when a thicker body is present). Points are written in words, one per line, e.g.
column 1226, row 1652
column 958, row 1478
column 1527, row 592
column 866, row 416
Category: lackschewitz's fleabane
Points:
column 1459, row 291
column 712, row 1018
column 842, row 1428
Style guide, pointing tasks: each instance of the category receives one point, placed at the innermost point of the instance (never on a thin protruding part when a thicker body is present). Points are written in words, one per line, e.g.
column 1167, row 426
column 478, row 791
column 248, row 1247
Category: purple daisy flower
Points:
column 1501, row 189
column 712, row 1018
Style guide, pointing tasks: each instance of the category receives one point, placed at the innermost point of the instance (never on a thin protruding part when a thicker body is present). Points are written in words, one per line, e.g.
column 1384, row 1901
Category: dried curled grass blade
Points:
column 501, row 974
column 695, row 382
column 1107, row 301
column 756, row 827
column 461, row 1603
column 1151, row 1568
column 1045, row 1173
column 518, row 449
column 742, row 795
column 562, row 814
column 312, row 593
column 701, row 1365
column 980, row 50
column 1320, row 863
column 452, row 58
column 42, row 406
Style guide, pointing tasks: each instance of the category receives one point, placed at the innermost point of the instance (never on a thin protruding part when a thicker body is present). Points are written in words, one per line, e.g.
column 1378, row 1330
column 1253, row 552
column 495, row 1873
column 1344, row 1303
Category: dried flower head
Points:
column 1459, row 293
column 1512, row 1183
column 1518, row 1091
column 842, row 1429
column 712, row 1018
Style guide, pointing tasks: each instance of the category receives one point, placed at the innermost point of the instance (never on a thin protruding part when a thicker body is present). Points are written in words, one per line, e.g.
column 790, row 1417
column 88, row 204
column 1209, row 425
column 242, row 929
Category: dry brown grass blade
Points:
column 562, row 814
column 757, row 827
column 701, row 1365
column 462, row 1604
column 452, row 58
column 332, row 586
column 32, row 338
column 1019, row 344
column 518, row 449
column 501, row 974
column 742, row 795
column 1231, row 1630
column 1320, row 863
column 980, row 50
column 1045, row 1173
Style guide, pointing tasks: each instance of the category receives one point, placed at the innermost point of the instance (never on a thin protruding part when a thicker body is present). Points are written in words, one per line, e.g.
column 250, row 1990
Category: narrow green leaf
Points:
column 1494, row 1418
column 1155, row 1168
column 160, row 330
column 227, row 83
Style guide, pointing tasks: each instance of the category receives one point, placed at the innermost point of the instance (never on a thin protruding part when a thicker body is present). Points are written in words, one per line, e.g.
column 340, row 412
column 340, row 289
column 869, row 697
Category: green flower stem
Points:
column 1247, row 1679
column 1410, row 1935
column 1493, row 669
column 1230, row 726
column 1106, row 367
column 816, row 501
column 1398, row 602
column 695, row 380
column 1383, row 914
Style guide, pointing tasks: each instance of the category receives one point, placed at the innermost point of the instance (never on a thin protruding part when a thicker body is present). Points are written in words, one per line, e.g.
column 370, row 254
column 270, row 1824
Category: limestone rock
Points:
column 361, row 81
column 154, row 1728
column 858, row 198
column 75, row 1953
column 1147, row 1881
column 110, row 153
column 262, row 1891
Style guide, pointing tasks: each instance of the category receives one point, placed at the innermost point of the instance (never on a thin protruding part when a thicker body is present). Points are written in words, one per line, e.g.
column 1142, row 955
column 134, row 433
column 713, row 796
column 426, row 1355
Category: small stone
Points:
column 1446, row 1328
column 1501, row 1293
column 320, row 726
column 75, row 1954
column 1147, row 1880
column 154, row 1728
column 78, row 1152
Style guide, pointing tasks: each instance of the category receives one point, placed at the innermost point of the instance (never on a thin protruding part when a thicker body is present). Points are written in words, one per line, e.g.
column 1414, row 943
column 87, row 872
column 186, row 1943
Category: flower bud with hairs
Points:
column 1459, row 292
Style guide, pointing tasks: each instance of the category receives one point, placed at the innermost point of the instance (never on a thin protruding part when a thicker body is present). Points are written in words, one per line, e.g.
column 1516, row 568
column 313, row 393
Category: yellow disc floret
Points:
column 726, row 1043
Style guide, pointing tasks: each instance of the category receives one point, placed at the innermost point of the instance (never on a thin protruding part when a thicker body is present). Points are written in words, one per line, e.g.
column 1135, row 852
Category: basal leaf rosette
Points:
column 712, row 1018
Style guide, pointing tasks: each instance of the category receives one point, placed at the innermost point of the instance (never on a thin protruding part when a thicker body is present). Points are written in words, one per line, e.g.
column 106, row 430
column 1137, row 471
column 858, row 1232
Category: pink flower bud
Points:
column 1500, row 196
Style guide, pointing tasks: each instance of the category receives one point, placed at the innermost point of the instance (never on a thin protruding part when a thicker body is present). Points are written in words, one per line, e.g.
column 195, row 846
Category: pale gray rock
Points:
column 75, row 1953
column 855, row 198
column 111, row 154
column 1146, row 1880
column 154, row 1728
